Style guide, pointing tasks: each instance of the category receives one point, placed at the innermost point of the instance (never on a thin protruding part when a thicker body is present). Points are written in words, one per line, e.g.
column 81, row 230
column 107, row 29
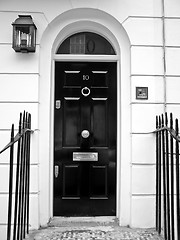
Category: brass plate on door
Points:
column 85, row 156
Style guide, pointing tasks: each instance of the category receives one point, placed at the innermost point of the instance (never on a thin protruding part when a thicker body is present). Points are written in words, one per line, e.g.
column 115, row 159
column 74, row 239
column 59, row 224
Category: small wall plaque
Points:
column 142, row 93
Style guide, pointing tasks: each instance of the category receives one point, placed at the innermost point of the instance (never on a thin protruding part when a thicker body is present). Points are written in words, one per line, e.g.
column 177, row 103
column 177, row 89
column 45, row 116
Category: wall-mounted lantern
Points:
column 24, row 34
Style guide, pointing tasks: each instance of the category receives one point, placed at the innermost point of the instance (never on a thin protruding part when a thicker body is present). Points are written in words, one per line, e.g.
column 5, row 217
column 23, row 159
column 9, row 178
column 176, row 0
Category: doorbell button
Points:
column 85, row 133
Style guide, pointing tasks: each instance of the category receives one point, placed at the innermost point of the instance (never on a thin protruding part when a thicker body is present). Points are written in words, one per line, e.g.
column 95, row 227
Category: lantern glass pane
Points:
column 32, row 36
column 24, row 36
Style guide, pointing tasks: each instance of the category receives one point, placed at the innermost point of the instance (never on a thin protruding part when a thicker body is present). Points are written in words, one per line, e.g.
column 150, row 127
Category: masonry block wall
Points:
column 155, row 55
column 18, row 92
column 153, row 29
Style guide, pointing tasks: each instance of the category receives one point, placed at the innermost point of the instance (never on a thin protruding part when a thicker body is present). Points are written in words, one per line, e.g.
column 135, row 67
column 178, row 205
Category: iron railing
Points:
column 167, row 177
column 19, row 226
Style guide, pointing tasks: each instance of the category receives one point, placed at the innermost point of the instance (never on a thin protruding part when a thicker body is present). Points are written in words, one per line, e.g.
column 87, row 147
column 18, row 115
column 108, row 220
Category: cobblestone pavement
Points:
column 80, row 230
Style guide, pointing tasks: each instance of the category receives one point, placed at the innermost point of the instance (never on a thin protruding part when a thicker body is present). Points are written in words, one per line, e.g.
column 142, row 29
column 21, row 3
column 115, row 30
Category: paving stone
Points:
column 90, row 231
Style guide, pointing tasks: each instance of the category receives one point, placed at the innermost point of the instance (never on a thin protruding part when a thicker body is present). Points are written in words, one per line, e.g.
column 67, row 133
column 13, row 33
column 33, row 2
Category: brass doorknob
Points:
column 85, row 133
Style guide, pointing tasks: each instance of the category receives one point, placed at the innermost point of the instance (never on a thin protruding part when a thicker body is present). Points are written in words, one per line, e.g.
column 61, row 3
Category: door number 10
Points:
column 85, row 77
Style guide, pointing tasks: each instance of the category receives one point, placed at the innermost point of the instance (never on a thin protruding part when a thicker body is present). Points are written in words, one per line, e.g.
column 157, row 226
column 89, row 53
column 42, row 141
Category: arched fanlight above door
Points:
column 86, row 43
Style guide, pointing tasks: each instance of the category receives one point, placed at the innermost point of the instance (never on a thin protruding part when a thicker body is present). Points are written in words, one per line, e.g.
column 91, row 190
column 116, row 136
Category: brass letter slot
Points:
column 85, row 156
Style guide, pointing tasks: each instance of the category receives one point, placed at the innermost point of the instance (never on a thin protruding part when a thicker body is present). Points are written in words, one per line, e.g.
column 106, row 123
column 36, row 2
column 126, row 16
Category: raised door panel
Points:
column 99, row 122
column 71, row 122
column 98, row 182
column 71, row 181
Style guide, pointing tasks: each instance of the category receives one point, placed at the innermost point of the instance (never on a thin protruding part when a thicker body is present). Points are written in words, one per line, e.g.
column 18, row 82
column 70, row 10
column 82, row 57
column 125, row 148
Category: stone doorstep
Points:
column 87, row 228
column 105, row 233
column 75, row 221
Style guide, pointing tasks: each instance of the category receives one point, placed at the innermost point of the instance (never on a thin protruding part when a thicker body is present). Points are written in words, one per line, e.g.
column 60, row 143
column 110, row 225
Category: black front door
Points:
column 85, row 132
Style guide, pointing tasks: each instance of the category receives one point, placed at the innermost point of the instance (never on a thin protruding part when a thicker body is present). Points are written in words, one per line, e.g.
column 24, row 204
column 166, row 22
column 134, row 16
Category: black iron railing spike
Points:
column 166, row 119
column 10, row 185
column 177, row 181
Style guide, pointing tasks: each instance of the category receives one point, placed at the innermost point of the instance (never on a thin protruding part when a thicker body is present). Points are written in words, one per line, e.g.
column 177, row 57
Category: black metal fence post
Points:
column 28, row 169
column 157, row 174
column 19, row 229
column 177, row 179
column 167, row 157
column 164, row 179
column 17, row 179
column 10, row 185
column 172, row 177
column 167, row 178
column 22, row 178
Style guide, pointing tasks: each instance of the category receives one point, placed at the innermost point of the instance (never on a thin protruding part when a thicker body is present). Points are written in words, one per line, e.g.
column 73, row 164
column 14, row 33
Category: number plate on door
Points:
column 85, row 156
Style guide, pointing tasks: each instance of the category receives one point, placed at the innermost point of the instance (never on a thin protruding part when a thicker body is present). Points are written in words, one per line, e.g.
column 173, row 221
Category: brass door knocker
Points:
column 85, row 91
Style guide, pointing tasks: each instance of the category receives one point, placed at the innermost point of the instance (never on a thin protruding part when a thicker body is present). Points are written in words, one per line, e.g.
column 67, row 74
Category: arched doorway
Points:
column 66, row 24
column 85, row 129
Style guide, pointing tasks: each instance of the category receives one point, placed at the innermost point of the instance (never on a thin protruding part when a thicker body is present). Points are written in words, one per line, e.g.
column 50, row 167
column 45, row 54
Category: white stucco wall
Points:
column 21, row 83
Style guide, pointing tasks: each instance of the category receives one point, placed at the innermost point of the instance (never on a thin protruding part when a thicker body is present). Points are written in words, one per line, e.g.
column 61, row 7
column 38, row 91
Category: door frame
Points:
column 96, row 59
column 90, row 58
column 64, row 25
